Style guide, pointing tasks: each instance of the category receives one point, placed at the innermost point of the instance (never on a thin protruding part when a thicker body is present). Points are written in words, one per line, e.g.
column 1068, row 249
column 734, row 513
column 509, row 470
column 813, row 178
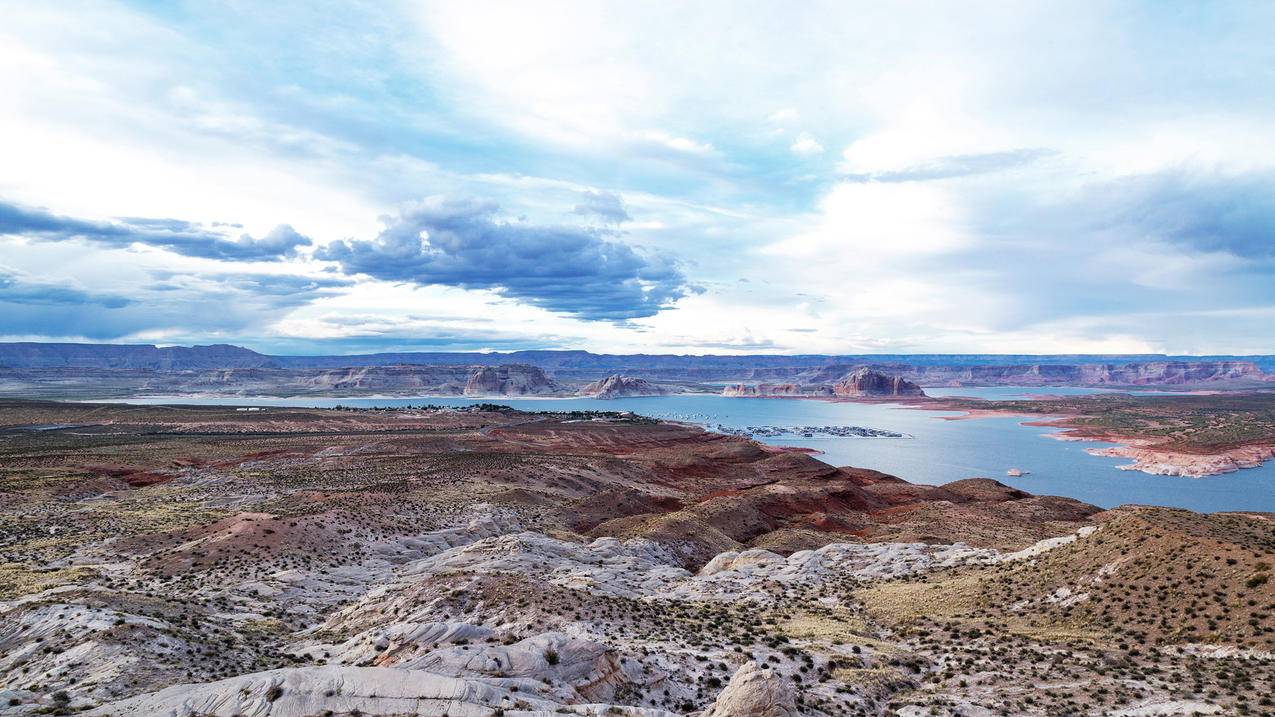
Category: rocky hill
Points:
column 622, row 387
column 1146, row 576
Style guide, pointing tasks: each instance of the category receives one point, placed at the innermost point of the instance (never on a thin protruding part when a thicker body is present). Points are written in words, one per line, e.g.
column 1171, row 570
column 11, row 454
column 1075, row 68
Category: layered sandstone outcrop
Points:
column 860, row 383
column 1147, row 457
column 867, row 383
column 776, row 390
column 505, row 380
column 513, row 380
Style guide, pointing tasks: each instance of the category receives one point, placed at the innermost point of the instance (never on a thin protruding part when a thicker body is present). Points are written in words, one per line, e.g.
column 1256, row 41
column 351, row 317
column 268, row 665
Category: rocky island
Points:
column 623, row 387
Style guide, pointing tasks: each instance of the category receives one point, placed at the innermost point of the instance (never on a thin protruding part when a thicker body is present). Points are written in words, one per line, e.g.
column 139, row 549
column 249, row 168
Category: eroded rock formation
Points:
column 512, row 380
column 867, row 383
column 622, row 387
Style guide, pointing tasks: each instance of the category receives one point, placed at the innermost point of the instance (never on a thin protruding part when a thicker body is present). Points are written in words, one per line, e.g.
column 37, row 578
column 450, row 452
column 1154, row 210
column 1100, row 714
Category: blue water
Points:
column 939, row 451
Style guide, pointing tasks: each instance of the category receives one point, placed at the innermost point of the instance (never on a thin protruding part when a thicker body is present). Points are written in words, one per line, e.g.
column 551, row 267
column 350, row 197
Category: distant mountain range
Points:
column 566, row 362
column 105, row 370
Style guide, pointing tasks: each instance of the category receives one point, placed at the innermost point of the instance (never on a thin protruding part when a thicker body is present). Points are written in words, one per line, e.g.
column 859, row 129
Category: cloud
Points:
column 175, row 235
column 806, row 145
column 122, row 109
column 604, row 205
column 784, row 116
column 960, row 165
column 16, row 289
column 570, row 270
column 270, row 291
column 1200, row 211
column 177, row 306
column 862, row 225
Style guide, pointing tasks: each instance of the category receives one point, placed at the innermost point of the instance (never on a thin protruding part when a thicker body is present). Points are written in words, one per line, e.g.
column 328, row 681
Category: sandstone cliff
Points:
column 513, row 380
column 353, row 381
column 777, row 390
column 859, row 383
column 867, row 383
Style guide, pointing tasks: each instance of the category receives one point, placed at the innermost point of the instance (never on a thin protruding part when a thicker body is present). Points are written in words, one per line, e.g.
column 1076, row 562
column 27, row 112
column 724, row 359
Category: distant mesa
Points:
column 775, row 390
column 617, row 386
column 30, row 369
column 512, row 380
column 862, row 382
column 29, row 354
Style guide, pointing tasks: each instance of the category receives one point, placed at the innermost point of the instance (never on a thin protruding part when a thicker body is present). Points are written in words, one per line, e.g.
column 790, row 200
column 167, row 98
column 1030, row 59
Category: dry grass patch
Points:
column 17, row 580
column 896, row 602
column 841, row 625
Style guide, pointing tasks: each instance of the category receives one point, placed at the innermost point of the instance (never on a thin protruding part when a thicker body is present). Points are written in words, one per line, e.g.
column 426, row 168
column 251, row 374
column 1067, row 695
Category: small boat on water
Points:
column 1016, row 473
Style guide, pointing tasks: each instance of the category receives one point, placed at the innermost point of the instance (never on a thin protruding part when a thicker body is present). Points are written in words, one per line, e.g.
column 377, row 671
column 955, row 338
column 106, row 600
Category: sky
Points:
column 706, row 177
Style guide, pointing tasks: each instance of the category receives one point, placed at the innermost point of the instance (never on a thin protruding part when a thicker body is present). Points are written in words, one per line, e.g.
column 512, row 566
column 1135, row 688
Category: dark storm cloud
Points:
column 570, row 270
column 175, row 235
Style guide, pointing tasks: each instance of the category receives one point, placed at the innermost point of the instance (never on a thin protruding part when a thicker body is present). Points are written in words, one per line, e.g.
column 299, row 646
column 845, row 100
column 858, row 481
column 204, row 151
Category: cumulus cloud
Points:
column 463, row 243
column 603, row 205
column 860, row 226
column 806, row 145
column 180, row 237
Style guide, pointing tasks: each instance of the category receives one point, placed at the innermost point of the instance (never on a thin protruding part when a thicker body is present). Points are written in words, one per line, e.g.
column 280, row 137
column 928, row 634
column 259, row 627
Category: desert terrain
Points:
column 172, row 560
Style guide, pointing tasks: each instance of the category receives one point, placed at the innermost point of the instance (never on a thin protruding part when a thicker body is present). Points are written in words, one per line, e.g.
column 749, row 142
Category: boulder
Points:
column 755, row 691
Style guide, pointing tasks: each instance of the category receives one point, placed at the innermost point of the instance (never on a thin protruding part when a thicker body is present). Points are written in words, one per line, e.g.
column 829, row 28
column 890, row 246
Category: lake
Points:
column 938, row 452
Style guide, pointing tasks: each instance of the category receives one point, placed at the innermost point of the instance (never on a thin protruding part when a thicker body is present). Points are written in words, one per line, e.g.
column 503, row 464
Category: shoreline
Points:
column 1147, row 455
